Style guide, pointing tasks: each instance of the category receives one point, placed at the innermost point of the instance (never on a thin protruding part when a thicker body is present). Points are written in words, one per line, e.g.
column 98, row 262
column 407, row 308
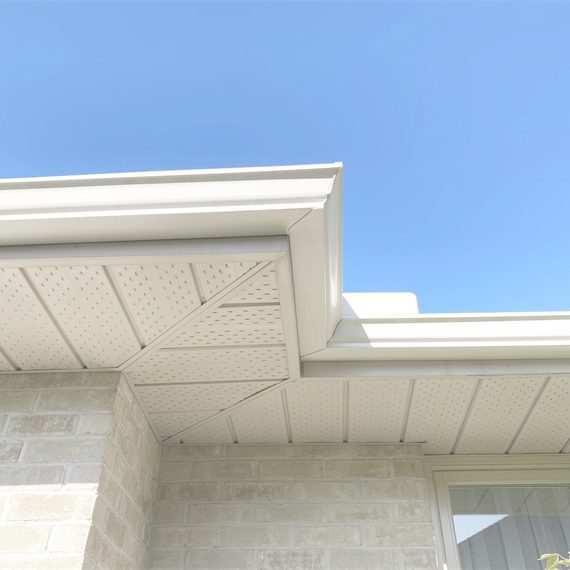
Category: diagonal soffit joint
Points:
column 204, row 287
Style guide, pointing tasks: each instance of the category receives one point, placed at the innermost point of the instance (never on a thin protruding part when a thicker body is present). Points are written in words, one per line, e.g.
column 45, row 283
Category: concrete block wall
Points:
column 346, row 506
column 53, row 435
column 123, row 511
column 77, row 473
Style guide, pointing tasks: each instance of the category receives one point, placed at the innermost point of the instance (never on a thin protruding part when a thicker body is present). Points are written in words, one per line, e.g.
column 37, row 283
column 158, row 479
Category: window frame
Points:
column 442, row 473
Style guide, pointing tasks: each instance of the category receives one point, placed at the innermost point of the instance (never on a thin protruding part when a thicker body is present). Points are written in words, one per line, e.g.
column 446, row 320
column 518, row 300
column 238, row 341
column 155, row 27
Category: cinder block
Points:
column 50, row 380
column 51, row 506
column 166, row 559
column 13, row 402
column 42, row 477
column 408, row 468
column 357, row 469
column 175, row 471
column 326, row 536
column 169, row 513
column 226, row 470
column 102, row 551
column 414, row 511
column 290, row 512
column 95, row 424
column 74, row 450
column 69, row 538
column 420, row 559
column 114, row 528
column 323, row 451
column 188, row 452
column 258, row 451
column 43, row 561
column 290, row 559
column 102, row 379
column 361, row 512
column 366, row 559
column 400, row 535
column 23, row 537
column 233, row 559
column 194, row 492
column 258, row 492
column 220, row 513
column 43, row 424
column 355, row 450
column 290, row 469
column 183, row 537
column 83, row 475
column 10, row 451
column 394, row 489
column 324, row 491
column 259, row 535
column 76, row 401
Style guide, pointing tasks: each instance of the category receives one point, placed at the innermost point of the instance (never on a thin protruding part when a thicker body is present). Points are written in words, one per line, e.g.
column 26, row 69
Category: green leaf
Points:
column 545, row 556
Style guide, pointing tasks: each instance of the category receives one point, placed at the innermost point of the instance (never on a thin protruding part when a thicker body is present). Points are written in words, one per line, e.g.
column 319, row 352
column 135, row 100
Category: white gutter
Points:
column 68, row 198
column 450, row 337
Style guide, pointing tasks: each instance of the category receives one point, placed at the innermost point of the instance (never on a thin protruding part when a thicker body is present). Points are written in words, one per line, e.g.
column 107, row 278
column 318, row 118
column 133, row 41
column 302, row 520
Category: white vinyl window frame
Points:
column 445, row 472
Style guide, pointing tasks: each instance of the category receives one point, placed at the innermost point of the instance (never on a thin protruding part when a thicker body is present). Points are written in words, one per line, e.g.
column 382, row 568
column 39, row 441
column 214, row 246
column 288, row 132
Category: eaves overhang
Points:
column 218, row 296
column 299, row 202
column 94, row 214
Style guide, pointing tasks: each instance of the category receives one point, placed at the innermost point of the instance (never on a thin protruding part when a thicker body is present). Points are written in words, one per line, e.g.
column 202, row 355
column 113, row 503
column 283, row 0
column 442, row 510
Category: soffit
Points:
column 497, row 414
column 193, row 337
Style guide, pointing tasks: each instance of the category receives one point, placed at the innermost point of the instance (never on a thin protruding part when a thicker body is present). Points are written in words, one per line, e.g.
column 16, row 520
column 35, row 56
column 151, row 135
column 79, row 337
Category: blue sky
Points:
column 452, row 120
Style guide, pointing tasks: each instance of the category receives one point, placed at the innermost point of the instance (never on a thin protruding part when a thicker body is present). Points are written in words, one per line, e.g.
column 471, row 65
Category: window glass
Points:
column 508, row 527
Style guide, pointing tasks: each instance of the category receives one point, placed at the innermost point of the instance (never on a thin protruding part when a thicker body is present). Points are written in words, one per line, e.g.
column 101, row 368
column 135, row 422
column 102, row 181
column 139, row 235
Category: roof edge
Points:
column 189, row 175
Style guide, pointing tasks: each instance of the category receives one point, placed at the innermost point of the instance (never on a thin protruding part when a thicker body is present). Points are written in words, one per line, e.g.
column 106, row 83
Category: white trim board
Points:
column 358, row 369
column 442, row 471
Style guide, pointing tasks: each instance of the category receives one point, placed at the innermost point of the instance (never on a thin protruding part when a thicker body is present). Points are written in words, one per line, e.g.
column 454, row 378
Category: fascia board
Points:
column 450, row 337
column 171, row 205
column 488, row 351
column 378, row 369
column 316, row 257
column 268, row 248
column 192, row 175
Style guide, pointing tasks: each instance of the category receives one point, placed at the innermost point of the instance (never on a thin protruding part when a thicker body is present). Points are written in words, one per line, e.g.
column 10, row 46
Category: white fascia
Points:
column 448, row 337
column 300, row 202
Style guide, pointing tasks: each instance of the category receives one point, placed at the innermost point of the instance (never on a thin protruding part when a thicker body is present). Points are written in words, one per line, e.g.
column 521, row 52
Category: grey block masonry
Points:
column 85, row 485
column 78, row 465
column 345, row 506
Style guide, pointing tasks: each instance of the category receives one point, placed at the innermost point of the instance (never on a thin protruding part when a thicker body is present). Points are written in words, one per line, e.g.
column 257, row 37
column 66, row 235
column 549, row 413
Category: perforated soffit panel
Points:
column 452, row 414
column 207, row 353
column 193, row 339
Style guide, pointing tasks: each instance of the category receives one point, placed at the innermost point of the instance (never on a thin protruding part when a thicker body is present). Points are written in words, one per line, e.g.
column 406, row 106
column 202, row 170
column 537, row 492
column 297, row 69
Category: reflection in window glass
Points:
column 508, row 528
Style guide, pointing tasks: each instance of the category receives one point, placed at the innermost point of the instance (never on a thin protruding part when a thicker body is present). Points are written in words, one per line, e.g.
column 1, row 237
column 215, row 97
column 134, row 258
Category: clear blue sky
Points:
column 452, row 120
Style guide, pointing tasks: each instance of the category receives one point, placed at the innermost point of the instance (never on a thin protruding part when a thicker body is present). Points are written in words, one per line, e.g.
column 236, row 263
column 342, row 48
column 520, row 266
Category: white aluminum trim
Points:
column 319, row 370
column 288, row 320
column 265, row 248
column 441, row 471
column 184, row 191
